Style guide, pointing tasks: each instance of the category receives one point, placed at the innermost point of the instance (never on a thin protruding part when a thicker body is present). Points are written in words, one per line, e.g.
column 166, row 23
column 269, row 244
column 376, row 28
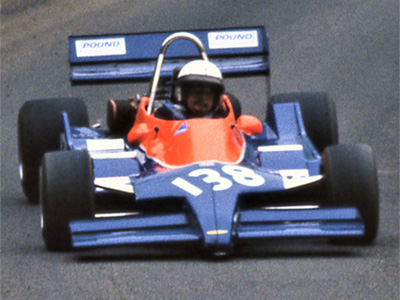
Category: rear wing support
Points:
column 132, row 57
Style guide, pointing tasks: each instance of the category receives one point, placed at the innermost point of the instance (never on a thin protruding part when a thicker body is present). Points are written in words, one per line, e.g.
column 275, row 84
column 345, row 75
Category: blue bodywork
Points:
column 273, row 193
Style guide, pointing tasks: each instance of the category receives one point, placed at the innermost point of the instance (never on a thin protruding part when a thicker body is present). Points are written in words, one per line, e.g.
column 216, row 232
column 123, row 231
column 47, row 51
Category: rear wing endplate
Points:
column 132, row 57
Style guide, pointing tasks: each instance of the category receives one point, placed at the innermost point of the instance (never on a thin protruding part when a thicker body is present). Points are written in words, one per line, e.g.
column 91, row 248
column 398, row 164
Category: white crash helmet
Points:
column 199, row 72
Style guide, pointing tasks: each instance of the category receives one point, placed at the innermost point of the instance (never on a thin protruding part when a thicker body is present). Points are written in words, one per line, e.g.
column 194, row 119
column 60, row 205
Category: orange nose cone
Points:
column 249, row 125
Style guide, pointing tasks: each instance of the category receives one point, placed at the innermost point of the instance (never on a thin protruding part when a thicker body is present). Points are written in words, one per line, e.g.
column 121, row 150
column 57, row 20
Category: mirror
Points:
column 249, row 125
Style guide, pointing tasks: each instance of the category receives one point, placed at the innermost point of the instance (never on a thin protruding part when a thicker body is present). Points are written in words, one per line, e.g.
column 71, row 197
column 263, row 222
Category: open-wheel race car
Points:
column 153, row 178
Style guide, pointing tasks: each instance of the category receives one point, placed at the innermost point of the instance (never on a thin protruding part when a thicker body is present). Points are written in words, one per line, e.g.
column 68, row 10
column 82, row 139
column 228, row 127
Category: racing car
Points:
column 210, row 182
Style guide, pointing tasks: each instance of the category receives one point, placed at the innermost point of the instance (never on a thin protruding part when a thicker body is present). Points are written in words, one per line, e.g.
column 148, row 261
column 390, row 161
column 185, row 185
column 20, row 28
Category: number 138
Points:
column 239, row 174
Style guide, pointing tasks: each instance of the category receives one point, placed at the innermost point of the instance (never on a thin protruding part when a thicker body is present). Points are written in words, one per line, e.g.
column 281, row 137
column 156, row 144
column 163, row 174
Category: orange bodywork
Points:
column 174, row 143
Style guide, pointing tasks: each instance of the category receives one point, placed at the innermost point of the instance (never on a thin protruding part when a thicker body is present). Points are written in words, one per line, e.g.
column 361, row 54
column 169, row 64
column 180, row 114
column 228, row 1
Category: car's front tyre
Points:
column 351, row 180
column 67, row 193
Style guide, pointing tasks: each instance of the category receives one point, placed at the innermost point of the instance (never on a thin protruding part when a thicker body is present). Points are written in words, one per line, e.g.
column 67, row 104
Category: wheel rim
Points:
column 21, row 171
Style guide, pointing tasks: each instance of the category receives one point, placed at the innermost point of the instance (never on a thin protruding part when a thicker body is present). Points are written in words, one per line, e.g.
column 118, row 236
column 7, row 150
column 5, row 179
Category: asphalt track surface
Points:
column 348, row 48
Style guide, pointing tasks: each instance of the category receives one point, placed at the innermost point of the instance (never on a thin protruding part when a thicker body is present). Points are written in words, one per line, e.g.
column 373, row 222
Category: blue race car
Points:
column 215, row 182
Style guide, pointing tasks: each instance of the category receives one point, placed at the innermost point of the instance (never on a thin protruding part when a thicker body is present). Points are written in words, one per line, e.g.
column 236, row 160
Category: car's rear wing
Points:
column 132, row 57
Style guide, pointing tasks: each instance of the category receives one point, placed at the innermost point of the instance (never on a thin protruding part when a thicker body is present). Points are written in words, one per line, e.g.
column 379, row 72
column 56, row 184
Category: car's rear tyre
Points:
column 67, row 193
column 319, row 116
column 236, row 105
column 40, row 124
column 121, row 116
column 351, row 179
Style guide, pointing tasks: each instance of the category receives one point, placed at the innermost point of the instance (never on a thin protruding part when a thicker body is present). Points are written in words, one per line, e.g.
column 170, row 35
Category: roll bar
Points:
column 160, row 59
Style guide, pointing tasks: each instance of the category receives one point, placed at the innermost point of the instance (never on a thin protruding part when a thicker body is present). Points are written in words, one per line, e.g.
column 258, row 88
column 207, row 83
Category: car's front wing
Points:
column 214, row 197
column 250, row 224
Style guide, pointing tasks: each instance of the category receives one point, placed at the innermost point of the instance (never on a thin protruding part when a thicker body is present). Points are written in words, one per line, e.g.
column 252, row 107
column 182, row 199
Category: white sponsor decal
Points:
column 280, row 148
column 100, row 47
column 293, row 178
column 122, row 184
column 233, row 39
column 294, row 173
column 293, row 182
column 105, row 145
column 114, row 155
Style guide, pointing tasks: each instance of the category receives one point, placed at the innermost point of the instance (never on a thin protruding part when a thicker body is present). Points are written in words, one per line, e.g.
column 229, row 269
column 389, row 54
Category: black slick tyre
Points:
column 236, row 105
column 319, row 116
column 67, row 193
column 351, row 180
column 121, row 116
column 40, row 124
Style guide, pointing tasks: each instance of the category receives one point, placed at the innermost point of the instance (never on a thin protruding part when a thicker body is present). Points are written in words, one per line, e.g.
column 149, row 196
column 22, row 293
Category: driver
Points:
column 199, row 88
column 198, row 91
